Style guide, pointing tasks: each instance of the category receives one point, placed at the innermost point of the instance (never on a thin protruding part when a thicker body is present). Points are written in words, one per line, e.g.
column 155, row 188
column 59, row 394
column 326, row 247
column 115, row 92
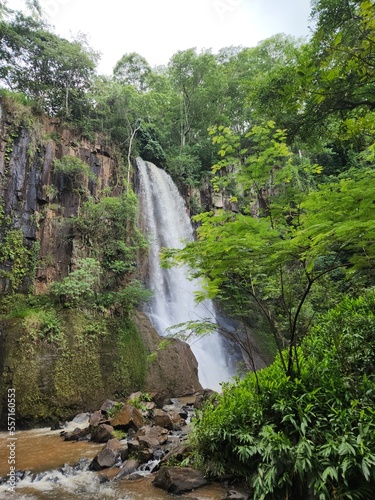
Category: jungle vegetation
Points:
column 284, row 133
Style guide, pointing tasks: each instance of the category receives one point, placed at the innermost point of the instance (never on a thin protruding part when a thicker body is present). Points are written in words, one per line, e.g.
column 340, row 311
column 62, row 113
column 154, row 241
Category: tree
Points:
column 54, row 72
column 133, row 69
column 271, row 263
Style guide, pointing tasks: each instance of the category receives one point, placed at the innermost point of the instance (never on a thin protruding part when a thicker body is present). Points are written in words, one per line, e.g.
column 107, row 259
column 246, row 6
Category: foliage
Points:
column 80, row 286
column 311, row 437
column 14, row 258
column 108, row 229
column 74, row 169
column 132, row 69
column 112, row 412
column 140, row 401
column 43, row 325
column 54, row 72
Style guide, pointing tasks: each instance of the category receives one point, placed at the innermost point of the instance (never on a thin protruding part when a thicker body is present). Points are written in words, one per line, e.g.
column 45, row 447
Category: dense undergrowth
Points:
column 309, row 437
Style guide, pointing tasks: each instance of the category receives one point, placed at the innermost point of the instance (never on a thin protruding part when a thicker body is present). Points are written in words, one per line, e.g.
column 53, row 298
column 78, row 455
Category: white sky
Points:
column 157, row 29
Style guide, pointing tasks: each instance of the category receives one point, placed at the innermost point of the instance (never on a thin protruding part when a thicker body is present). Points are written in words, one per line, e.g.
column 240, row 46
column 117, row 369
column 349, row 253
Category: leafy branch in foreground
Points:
column 271, row 263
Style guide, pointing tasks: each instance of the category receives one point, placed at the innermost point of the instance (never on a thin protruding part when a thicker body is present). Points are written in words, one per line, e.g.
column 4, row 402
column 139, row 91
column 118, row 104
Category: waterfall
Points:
column 168, row 225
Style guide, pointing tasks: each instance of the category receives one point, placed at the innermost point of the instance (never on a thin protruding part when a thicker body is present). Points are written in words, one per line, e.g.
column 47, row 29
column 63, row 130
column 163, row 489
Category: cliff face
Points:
column 34, row 198
column 61, row 361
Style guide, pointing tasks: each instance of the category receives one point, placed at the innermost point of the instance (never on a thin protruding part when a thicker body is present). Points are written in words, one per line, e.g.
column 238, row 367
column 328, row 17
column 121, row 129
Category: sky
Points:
column 157, row 29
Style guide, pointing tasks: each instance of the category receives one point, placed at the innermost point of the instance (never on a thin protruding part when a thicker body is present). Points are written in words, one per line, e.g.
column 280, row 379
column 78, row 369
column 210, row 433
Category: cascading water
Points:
column 168, row 225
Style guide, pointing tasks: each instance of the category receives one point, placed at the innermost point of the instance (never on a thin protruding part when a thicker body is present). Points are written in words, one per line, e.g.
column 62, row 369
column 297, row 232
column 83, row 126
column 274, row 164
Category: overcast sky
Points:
column 157, row 29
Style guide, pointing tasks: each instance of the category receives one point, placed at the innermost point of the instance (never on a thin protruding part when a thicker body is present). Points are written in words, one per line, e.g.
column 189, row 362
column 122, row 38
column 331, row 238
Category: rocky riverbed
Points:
column 138, row 449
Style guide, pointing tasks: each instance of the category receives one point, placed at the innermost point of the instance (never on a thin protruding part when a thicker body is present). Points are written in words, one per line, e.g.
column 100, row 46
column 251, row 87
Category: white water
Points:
column 168, row 225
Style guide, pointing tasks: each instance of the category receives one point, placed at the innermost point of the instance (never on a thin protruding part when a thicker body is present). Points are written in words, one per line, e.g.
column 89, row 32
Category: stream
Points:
column 57, row 470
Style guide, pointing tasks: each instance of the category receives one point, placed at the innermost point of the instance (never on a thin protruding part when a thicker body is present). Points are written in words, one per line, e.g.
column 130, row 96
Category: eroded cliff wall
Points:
column 61, row 360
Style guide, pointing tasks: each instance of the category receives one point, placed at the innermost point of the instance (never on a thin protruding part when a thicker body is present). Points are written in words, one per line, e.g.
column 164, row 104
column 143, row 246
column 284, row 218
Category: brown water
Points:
column 44, row 450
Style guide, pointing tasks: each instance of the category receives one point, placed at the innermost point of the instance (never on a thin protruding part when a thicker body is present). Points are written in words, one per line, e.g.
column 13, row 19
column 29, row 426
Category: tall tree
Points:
column 54, row 72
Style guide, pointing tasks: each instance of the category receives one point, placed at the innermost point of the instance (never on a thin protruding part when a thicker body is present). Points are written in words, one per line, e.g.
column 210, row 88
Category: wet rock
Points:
column 107, row 405
column 236, row 495
column 127, row 468
column 177, row 480
column 56, row 426
column 81, row 418
column 124, row 451
column 95, row 418
column 113, row 444
column 102, row 433
column 153, row 436
column 76, row 435
column 179, row 452
column 133, row 445
column 107, row 456
column 145, row 454
column 104, row 459
column 184, row 412
column 134, row 476
column 167, row 419
column 128, row 418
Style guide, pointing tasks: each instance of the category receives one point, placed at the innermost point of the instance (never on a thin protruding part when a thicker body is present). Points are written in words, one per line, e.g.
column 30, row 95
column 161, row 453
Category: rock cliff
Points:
column 61, row 361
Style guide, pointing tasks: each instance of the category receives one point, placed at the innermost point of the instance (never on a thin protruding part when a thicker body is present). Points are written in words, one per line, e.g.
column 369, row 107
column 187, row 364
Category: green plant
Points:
column 112, row 412
column 43, row 325
column 308, row 437
column 119, row 434
column 75, row 170
column 14, row 258
column 80, row 286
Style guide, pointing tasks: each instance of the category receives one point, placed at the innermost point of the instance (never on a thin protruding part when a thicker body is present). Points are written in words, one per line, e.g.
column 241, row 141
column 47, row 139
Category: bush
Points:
column 75, row 169
column 311, row 437
column 80, row 286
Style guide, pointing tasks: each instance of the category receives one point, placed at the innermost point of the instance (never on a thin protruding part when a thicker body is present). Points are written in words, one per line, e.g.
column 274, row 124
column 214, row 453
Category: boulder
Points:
column 166, row 419
column 177, row 480
column 154, row 436
column 128, row 418
column 107, row 456
column 107, row 405
column 95, row 418
column 236, row 495
column 178, row 453
column 133, row 445
column 114, row 445
column 145, row 454
column 102, row 433
column 127, row 468
column 104, row 459
column 76, row 435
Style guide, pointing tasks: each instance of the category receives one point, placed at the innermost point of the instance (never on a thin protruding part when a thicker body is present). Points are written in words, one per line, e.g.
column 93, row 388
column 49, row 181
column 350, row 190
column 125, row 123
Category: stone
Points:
column 166, row 419
column 104, row 459
column 95, row 418
column 135, row 395
column 145, row 455
column 102, row 433
column 178, row 453
column 107, row 405
column 107, row 456
column 236, row 495
column 155, row 435
column 127, row 468
column 128, row 418
column 124, row 452
column 81, row 418
column 76, row 435
column 177, row 480
column 113, row 444
column 133, row 445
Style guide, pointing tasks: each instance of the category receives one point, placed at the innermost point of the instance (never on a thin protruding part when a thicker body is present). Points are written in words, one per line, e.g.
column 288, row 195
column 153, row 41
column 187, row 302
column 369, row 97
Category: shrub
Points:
column 80, row 285
column 311, row 437
column 75, row 169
